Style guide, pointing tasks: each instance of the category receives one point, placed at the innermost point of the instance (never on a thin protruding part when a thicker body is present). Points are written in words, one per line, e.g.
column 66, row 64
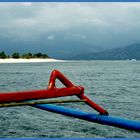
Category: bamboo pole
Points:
column 38, row 102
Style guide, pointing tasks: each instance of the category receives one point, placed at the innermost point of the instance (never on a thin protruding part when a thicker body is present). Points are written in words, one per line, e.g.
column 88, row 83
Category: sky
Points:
column 102, row 24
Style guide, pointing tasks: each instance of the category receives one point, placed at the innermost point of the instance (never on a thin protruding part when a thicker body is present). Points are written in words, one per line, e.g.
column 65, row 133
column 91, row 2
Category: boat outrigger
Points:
column 32, row 98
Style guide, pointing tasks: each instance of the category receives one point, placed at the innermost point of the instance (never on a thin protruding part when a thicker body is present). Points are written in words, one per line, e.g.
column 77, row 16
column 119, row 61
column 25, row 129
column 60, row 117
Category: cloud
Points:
column 111, row 22
column 51, row 37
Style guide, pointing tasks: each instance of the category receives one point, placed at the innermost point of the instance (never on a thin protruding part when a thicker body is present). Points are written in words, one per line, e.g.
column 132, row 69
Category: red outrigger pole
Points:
column 51, row 92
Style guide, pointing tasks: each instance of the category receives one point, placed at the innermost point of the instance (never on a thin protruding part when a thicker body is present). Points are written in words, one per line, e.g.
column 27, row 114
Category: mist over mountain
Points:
column 55, row 46
column 59, row 47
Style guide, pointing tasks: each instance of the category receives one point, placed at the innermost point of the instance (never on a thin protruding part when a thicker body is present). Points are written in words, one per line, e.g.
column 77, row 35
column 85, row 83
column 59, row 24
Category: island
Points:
column 16, row 57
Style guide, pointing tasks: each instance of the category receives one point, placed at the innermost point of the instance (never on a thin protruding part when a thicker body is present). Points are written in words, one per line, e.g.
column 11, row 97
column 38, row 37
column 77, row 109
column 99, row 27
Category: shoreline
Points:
column 31, row 60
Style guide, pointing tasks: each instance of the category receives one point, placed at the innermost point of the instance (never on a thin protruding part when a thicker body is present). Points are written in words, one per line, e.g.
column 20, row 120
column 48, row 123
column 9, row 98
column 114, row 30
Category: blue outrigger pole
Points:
column 97, row 118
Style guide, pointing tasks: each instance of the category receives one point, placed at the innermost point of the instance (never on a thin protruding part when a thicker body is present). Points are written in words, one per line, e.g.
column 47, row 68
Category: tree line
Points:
column 17, row 55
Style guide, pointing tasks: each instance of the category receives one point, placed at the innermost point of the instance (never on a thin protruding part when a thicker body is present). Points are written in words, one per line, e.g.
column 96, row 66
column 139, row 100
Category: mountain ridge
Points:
column 128, row 52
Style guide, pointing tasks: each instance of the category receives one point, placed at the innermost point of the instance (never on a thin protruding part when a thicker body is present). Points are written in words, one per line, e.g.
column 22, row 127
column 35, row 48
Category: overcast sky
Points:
column 109, row 24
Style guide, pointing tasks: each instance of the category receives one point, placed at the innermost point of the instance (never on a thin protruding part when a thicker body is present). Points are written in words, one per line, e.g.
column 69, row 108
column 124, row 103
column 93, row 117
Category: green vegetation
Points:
column 3, row 55
column 17, row 55
column 39, row 55
column 27, row 55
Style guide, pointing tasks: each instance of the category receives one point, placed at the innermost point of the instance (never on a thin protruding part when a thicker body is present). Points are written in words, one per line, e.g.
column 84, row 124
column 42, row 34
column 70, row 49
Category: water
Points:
column 112, row 84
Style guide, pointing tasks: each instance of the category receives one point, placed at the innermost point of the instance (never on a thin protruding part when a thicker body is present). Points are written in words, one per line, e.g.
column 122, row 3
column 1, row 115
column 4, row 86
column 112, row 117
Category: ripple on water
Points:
column 113, row 85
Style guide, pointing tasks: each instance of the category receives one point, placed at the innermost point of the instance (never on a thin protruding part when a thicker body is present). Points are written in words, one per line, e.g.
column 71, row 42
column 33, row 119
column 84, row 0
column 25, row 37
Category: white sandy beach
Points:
column 33, row 60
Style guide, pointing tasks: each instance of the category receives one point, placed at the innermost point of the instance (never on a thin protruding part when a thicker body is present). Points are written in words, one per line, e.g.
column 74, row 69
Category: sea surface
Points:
column 115, row 85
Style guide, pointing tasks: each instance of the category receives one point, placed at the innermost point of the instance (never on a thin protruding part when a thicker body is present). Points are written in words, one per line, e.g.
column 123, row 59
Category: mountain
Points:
column 123, row 53
column 63, row 45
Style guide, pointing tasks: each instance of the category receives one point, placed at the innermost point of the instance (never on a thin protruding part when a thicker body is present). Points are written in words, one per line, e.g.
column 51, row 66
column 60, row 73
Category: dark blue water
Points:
column 115, row 85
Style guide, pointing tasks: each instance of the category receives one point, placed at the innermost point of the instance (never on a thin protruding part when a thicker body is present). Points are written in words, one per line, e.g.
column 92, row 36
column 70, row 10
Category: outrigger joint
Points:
column 58, row 75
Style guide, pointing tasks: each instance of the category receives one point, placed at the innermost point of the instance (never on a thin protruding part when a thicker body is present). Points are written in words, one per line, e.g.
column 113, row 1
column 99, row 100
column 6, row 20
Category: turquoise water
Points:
column 115, row 85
